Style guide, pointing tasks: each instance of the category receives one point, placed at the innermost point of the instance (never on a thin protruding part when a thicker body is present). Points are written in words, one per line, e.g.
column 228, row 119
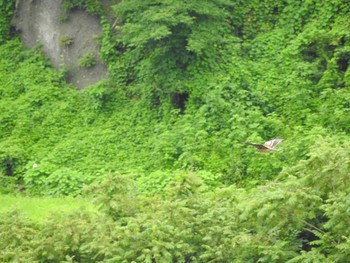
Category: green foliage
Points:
column 6, row 13
column 8, row 184
column 155, row 182
column 115, row 195
column 64, row 242
column 87, row 61
column 160, row 141
column 163, row 38
column 66, row 41
column 158, row 181
column 327, row 166
column 163, row 19
column 47, row 179
column 275, row 82
column 92, row 6
column 40, row 208
column 16, row 236
column 269, row 223
column 12, row 156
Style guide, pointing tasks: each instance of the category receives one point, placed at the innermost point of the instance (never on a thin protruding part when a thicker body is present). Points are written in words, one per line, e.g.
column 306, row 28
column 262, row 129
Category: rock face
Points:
column 65, row 41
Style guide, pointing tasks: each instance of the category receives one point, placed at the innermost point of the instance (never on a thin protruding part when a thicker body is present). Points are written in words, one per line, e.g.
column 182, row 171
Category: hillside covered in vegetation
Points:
column 157, row 146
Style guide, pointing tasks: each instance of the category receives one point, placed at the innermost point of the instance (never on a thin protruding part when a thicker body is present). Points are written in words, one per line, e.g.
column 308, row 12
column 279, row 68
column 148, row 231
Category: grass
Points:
column 38, row 208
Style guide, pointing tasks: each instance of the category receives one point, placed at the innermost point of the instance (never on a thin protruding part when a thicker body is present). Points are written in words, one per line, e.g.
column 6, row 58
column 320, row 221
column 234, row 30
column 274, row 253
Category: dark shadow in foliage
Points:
column 179, row 101
column 155, row 100
column 310, row 53
column 9, row 165
column 343, row 62
column 307, row 236
column 13, row 31
column 321, row 68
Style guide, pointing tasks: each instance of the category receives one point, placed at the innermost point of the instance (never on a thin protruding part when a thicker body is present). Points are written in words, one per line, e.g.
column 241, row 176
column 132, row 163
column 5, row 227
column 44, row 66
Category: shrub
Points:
column 66, row 237
column 17, row 234
column 115, row 195
column 66, row 41
column 12, row 157
column 327, row 167
column 87, row 61
column 6, row 12
column 47, row 179
column 8, row 184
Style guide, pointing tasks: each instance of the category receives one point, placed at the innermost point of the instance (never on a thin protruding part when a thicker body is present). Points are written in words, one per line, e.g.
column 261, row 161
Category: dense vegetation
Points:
column 157, row 148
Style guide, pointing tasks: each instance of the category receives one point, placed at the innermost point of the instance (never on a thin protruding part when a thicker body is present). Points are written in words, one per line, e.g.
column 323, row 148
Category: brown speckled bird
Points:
column 267, row 146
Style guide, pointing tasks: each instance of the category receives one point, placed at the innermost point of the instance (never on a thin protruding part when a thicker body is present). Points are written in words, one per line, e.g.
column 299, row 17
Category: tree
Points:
column 161, row 38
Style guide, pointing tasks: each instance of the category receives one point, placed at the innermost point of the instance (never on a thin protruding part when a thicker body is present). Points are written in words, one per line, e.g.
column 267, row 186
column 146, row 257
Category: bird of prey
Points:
column 267, row 146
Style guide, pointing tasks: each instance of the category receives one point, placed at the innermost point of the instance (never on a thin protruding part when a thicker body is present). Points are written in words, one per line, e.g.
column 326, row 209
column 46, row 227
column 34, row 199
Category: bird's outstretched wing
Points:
column 272, row 143
column 267, row 146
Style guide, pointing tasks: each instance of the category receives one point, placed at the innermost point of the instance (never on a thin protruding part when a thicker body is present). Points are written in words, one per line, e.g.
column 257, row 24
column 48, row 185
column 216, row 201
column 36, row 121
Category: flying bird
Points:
column 267, row 146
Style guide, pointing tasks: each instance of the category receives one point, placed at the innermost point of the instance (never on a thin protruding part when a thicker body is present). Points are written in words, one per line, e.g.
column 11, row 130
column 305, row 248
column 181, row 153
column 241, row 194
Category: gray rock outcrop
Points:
column 64, row 41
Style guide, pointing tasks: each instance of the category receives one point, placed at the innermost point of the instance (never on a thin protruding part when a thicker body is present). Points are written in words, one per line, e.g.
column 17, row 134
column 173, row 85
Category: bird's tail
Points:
column 248, row 143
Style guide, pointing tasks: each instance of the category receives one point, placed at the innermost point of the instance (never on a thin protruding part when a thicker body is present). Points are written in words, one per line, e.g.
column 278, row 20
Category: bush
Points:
column 12, row 157
column 327, row 167
column 66, row 41
column 8, row 184
column 275, row 222
column 65, row 237
column 17, row 234
column 6, row 12
column 87, row 61
column 47, row 179
column 116, row 195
